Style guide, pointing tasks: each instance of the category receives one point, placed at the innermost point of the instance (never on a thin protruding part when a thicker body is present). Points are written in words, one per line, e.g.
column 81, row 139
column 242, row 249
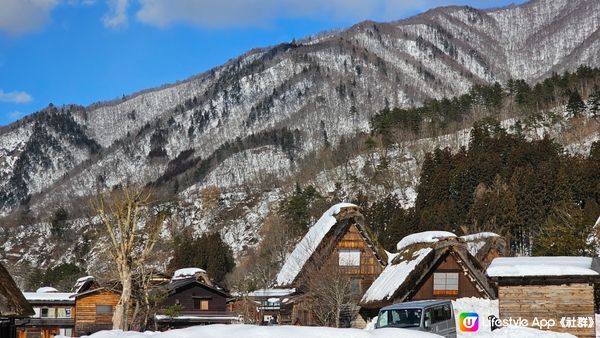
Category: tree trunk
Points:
column 120, row 315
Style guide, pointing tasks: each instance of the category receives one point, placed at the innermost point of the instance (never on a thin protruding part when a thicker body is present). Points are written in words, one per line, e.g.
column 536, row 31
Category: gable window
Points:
column 445, row 283
column 349, row 257
column 104, row 309
column 200, row 304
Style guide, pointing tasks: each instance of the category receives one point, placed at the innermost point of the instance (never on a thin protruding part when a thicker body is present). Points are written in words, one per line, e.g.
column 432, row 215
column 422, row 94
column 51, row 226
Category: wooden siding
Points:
column 466, row 288
column 185, row 296
column 86, row 318
column 549, row 302
column 369, row 268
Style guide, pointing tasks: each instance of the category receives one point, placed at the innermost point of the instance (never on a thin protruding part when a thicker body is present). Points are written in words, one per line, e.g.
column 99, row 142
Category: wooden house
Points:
column 264, row 306
column 94, row 309
column 13, row 305
column 193, row 300
column 548, row 288
column 429, row 265
column 340, row 239
column 54, row 314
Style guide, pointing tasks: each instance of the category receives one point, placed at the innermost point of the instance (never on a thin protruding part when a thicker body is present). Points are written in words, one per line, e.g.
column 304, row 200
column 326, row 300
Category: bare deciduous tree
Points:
column 133, row 226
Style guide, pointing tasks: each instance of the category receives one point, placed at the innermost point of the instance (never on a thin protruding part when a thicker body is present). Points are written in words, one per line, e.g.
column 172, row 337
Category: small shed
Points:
column 551, row 288
column 13, row 305
column 198, row 301
column 94, row 310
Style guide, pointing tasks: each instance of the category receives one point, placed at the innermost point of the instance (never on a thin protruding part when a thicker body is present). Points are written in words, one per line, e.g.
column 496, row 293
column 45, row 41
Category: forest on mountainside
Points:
column 543, row 199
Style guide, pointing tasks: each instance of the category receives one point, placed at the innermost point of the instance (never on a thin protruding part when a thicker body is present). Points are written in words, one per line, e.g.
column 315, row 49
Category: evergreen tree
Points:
column 575, row 106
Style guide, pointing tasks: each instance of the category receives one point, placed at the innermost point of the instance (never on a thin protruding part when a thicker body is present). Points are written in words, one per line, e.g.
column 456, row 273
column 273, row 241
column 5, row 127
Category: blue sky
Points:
column 83, row 51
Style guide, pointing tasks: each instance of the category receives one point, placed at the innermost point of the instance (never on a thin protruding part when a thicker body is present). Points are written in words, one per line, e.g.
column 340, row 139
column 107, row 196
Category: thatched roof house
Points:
column 12, row 302
column 430, row 265
column 340, row 231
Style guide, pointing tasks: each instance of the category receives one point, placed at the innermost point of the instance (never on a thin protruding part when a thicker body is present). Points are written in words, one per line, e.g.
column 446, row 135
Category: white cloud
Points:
column 117, row 15
column 15, row 115
column 22, row 16
column 15, row 97
column 244, row 13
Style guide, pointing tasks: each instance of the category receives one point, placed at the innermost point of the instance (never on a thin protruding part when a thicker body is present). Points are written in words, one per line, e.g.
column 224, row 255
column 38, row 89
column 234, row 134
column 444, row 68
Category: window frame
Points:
column 200, row 301
column 346, row 259
column 104, row 306
column 444, row 286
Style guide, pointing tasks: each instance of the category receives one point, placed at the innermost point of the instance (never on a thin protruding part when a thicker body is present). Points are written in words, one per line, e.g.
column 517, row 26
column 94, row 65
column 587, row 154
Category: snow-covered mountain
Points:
column 252, row 120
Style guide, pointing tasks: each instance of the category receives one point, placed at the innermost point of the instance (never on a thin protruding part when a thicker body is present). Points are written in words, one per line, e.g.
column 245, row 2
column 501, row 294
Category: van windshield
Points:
column 399, row 318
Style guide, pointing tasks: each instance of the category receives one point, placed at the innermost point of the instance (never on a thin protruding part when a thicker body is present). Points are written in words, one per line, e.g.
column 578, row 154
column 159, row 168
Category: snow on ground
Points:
column 487, row 307
column 295, row 262
column 423, row 237
column 250, row 331
column 483, row 307
column 540, row 266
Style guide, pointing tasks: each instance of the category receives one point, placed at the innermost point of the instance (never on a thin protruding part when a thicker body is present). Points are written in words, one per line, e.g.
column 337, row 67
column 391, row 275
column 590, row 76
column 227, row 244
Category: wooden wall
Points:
column 549, row 302
column 186, row 294
column 369, row 268
column 466, row 288
column 86, row 318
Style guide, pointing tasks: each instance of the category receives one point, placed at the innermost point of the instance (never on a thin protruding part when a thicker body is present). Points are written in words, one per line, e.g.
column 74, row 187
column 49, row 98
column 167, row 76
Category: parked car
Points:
column 435, row 316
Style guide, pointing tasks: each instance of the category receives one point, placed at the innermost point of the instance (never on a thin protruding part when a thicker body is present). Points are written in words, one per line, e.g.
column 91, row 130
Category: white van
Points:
column 435, row 316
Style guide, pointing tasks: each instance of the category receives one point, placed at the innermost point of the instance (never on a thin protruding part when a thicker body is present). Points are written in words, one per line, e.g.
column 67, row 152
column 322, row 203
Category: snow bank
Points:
column 541, row 266
column 423, row 237
column 518, row 332
column 392, row 277
column 483, row 307
column 250, row 331
column 295, row 262
column 186, row 273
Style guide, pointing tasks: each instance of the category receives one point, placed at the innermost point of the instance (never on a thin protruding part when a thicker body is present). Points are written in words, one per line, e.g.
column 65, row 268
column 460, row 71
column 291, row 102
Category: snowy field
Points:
column 250, row 331
column 483, row 307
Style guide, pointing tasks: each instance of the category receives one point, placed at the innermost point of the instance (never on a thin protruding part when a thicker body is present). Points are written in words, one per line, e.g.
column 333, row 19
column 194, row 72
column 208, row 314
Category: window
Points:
column 104, row 309
column 401, row 318
column 67, row 332
column 44, row 313
column 355, row 286
column 349, row 257
column 200, row 304
column 441, row 314
column 445, row 283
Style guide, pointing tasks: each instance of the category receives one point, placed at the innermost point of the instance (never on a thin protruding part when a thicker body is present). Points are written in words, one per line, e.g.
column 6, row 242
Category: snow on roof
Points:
column 423, row 237
column 84, row 279
column 476, row 242
column 49, row 296
column 541, row 266
column 271, row 292
column 479, row 236
column 392, row 277
column 46, row 289
column 186, row 273
column 81, row 283
column 311, row 241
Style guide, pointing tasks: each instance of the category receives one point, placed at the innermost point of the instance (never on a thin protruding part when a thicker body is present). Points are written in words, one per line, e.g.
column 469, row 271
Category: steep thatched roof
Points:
column 412, row 266
column 12, row 301
column 486, row 246
column 322, row 238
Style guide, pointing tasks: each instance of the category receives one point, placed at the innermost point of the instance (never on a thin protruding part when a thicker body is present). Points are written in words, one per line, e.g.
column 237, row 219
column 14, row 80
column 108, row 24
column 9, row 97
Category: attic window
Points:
column 445, row 283
column 349, row 257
